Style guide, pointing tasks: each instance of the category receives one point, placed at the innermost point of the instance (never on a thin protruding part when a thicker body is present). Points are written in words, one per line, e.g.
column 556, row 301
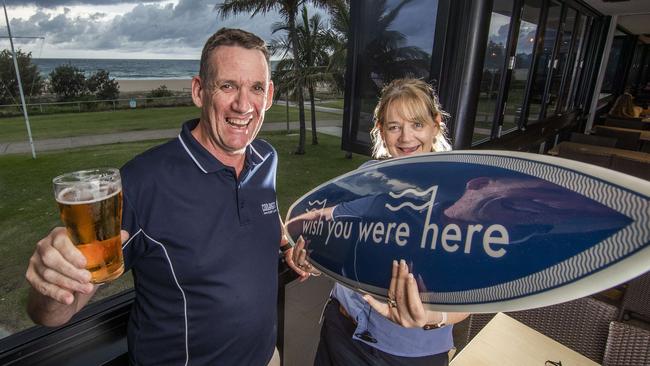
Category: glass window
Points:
column 635, row 68
column 495, row 56
column 612, row 64
column 577, row 61
column 560, row 62
column 544, row 62
column 523, row 62
column 394, row 41
column 578, row 94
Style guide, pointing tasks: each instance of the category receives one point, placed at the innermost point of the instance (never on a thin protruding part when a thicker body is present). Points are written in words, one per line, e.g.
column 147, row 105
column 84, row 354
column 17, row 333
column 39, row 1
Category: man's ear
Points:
column 197, row 89
column 269, row 95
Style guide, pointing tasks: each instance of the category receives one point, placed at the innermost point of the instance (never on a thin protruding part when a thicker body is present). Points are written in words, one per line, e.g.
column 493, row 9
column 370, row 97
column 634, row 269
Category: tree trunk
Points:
column 288, row 129
column 300, row 150
column 314, row 136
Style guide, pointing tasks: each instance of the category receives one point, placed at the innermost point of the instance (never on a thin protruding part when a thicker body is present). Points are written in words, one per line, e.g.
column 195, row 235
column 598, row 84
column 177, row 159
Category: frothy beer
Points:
column 92, row 213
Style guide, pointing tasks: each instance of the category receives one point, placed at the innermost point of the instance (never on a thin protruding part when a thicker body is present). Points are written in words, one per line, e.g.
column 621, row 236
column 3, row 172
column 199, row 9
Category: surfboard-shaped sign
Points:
column 481, row 231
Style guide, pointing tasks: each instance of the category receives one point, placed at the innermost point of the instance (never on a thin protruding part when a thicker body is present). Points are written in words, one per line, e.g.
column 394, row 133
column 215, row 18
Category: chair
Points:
column 636, row 299
column 582, row 138
column 627, row 346
column 573, row 154
column 633, row 123
column 581, row 325
column 629, row 166
column 626, row 139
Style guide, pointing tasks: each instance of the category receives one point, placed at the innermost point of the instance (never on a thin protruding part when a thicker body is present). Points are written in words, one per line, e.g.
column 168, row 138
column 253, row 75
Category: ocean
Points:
column 127, row 69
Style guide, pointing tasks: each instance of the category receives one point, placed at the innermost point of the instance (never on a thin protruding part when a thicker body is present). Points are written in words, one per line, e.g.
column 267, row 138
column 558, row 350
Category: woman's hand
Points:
column 404, row 306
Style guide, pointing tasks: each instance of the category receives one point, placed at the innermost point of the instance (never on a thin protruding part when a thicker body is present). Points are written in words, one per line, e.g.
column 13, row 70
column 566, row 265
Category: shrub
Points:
column 160, row 92
column 29, row 75
column 101, row 84
column 68, row 82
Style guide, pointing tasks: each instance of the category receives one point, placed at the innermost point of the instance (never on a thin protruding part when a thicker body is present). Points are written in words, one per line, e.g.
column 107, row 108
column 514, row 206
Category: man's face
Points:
column 233, row 102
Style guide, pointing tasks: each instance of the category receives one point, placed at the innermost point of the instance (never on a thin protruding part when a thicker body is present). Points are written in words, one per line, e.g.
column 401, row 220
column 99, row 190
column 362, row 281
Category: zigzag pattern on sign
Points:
column 626, row 241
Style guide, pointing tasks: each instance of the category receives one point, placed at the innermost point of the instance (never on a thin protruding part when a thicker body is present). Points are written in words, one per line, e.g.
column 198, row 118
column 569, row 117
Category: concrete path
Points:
column 307, row 105
column 330, row 127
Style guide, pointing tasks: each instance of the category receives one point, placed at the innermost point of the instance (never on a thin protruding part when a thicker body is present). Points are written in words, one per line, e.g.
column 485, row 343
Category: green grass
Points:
column 28, row 210
column 95, row 123
column 333, row 104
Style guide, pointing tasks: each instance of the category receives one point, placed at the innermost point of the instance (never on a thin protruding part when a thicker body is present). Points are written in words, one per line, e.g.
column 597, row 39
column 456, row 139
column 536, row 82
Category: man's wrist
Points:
column 284, row 248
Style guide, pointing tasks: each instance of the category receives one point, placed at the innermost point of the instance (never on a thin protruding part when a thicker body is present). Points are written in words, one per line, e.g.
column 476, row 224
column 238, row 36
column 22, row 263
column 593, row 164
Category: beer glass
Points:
column 90, row 202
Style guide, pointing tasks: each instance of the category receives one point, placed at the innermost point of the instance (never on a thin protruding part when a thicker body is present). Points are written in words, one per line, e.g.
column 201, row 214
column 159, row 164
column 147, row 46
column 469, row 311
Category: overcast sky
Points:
column 166, row 29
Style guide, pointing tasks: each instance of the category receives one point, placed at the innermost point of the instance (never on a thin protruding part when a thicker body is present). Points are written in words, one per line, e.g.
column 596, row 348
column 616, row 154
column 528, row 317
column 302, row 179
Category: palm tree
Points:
column 314, row 46
column 339, row 12
column 282, row 75
column 288, row 9
column 387, row 54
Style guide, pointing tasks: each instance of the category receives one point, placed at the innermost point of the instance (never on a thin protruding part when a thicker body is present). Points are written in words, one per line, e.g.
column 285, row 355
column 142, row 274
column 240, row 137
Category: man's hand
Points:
column 60, row 282
column 296, row 258
column 289, row 255
column 57, row 269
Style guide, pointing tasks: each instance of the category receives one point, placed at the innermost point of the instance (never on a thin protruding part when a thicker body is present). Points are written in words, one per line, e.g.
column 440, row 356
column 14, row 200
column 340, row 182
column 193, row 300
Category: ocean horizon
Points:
column 127, row 69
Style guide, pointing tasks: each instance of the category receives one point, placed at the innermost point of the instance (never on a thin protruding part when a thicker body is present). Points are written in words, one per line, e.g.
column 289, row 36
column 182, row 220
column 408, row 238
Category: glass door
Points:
column 544, row 63
column 520, row 65
column 493, row 69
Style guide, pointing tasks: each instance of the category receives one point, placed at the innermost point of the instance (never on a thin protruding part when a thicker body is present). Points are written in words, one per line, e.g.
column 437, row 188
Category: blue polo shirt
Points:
column 204, row 253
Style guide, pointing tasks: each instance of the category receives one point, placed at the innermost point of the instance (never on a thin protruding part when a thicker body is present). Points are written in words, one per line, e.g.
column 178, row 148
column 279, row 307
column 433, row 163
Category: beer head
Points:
column 87, row 186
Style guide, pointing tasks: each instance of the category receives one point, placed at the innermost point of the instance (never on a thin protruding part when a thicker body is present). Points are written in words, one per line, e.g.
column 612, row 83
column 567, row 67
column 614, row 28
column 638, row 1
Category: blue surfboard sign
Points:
column 481, row 231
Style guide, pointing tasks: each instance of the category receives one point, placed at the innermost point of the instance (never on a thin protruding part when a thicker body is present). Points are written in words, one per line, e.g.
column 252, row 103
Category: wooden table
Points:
column 600, row 150
column 645, row 134
column 507, row 342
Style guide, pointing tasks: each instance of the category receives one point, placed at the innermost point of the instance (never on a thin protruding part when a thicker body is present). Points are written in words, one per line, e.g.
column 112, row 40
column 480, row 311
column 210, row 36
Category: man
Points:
column 202, row 223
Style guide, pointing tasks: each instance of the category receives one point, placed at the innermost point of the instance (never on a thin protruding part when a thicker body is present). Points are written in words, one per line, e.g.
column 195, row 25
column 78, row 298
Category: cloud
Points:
column 150, row 27
column 56, row 3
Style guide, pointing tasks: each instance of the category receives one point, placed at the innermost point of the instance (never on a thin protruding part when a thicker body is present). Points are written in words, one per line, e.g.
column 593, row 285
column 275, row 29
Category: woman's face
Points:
column 404, row 137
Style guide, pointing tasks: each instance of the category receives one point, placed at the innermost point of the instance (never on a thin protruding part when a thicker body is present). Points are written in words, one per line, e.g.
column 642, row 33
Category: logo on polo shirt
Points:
column 269, row 208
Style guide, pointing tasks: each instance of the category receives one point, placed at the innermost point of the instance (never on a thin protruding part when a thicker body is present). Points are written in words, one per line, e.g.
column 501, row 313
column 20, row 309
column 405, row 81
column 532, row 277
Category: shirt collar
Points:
column 205, row 161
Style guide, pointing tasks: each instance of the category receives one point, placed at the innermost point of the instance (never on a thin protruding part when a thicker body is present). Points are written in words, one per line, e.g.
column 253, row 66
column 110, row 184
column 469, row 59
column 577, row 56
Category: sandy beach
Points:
column 150, row 84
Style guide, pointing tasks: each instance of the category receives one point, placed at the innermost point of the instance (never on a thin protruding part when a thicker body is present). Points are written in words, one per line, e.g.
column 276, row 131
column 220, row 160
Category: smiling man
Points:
column 202, row 223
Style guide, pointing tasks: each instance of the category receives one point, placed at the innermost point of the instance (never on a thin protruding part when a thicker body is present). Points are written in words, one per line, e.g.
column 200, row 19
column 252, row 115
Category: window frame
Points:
column 457, row 63
column 351, row 109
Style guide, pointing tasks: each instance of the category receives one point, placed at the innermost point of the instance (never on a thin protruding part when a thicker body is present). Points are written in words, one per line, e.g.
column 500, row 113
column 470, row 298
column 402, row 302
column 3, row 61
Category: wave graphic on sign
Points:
column 321, row 205
column 414, row 192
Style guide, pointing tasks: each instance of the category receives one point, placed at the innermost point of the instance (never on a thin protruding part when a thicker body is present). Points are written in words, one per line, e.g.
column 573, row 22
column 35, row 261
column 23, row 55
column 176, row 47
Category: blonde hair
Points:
column 419, row 102
column 623, row 107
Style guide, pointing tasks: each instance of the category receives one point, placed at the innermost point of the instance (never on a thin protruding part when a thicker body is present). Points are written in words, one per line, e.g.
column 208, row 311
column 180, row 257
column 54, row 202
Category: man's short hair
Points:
column 229, row 37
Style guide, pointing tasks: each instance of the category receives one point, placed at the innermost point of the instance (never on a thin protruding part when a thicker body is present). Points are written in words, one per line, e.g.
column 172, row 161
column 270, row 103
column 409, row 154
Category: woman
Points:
column 624, row 107
column 360, row 330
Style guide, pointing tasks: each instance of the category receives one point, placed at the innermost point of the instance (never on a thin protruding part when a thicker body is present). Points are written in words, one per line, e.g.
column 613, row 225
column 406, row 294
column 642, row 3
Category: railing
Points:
column 7, row 110
column 97, row 334
column 537, row 138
